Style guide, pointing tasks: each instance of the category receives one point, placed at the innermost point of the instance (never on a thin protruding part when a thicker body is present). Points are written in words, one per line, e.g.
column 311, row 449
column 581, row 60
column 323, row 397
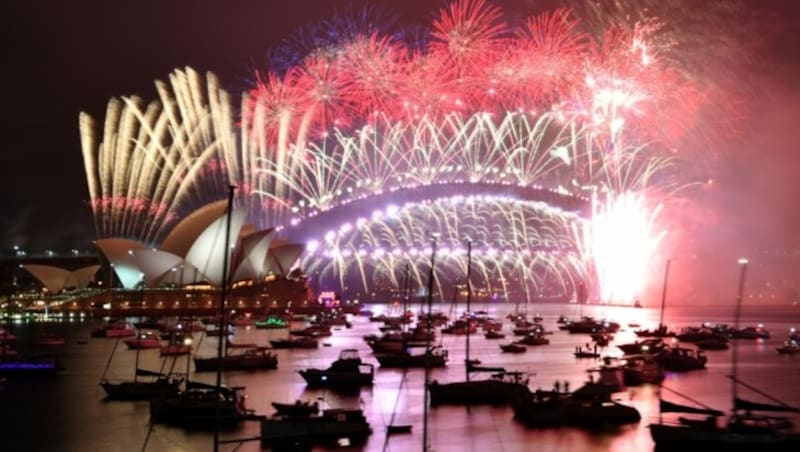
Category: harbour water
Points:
column 69, row 413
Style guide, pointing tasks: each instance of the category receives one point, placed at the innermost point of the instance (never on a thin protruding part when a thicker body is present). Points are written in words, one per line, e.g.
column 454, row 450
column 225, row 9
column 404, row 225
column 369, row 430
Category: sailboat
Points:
column 745, row 426
column 502, row 387
column 662, row 330
column 162, row 386
column 201, row 404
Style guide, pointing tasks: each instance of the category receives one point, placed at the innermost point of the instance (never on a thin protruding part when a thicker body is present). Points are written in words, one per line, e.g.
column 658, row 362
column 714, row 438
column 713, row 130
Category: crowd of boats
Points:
column 409, row 341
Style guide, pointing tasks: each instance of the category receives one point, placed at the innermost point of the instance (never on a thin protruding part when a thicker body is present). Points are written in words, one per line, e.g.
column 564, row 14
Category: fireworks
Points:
column 352, row 118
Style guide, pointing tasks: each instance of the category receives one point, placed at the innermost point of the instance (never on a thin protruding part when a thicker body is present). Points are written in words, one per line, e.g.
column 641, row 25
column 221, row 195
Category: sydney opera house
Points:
column 186, row 270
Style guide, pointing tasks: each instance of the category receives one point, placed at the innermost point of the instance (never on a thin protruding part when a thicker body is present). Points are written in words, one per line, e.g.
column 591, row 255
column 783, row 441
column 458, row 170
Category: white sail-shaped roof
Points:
column 251, row 254
column 52, row 278
column 281, row 259
column 120, row 253
column 185, row 233
column 206, row 252
column 81, row 277
column 155, row 264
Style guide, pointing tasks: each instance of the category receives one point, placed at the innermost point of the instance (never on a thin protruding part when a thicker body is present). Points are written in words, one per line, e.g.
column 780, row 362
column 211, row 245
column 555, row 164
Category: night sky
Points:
column 61, row 58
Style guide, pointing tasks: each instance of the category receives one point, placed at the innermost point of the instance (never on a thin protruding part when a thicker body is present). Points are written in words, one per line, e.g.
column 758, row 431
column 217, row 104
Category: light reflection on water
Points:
column 72, row 413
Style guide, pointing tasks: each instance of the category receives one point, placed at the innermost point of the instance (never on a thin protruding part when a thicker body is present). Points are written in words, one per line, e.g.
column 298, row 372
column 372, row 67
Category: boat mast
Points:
column 428, row 346
column 735, row 356
column 405, row 297
column 664, row 298
column 469, row 298
column 222, row 323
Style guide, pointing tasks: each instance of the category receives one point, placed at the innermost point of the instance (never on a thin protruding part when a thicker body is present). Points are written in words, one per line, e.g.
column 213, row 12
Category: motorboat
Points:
column 589, row 406
column 641, row 369
column 681, row 359
column 346, row 372
column 652, row 345
column 202, row 405
column 332, row 427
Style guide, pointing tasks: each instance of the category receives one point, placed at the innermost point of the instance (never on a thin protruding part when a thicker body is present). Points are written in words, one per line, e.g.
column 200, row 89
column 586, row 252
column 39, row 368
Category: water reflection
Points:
column 78, row 419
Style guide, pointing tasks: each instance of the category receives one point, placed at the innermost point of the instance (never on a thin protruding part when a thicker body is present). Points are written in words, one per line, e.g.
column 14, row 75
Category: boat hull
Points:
column 304, row 432
column 129, row 390
column 669, row 437
column 476, row 392
column 321, row 378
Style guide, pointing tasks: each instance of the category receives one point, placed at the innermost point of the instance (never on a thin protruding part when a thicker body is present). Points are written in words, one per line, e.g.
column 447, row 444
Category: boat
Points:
column 241, row 321
column 298, row 408
column 332, row 427
column 590, row 406
column 272, row 322
column 300, row 342
column 494, row 334
column 533, row 339
column 28, row 366
column 116, row 329
column 202, row 405
column 712, row 344
column 178, row 345
column 602, row 339
column 502, row 387
column 702, row 333
column 433, row 357
column 750, row 332
column 143, row 340
column 156, row 384
column 162, row 386
column 514, row 347
column 460, row 327
column 313, row 331
column 580, row 352
column 745, row 428
column 346, row 372
column 681, row 359
column 589, row 325
column 249, row 359
column 641, row 369
column 652, row 345
column 789, row 347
